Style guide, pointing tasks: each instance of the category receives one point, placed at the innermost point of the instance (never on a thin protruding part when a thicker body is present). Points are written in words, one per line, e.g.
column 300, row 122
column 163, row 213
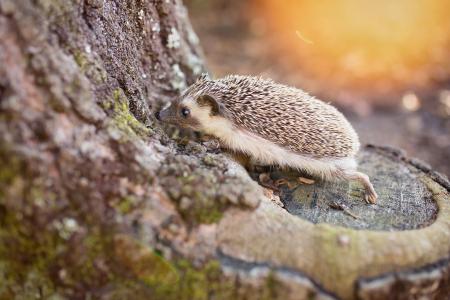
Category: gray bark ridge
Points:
column 88, row 182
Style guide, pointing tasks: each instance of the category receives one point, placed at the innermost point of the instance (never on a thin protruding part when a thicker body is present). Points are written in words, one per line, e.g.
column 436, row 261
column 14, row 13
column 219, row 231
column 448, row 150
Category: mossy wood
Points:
column 97, row 201
column 397, row 248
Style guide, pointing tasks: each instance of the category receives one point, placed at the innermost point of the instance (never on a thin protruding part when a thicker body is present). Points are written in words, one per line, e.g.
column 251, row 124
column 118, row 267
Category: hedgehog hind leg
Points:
column 370, row 195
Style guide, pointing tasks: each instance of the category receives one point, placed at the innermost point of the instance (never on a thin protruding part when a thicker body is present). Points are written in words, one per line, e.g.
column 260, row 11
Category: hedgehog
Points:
column 273, row 124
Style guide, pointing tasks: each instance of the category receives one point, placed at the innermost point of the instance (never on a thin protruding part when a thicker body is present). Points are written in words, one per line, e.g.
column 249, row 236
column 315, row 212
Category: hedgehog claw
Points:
column 371, row 197
column 304, row 180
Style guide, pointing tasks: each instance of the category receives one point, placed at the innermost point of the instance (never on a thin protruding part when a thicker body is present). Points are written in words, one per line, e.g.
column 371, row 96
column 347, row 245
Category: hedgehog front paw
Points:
column 370, row 196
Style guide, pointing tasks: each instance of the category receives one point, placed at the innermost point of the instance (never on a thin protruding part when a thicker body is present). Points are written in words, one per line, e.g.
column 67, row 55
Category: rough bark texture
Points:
column 96, row 201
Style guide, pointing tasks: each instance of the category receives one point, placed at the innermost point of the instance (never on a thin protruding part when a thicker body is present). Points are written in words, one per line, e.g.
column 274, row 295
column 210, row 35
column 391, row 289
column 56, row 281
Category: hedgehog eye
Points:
column 185, row 112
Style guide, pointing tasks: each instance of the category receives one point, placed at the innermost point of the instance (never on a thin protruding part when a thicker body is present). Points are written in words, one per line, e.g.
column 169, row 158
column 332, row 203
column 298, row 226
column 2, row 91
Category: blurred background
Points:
column 385, row 64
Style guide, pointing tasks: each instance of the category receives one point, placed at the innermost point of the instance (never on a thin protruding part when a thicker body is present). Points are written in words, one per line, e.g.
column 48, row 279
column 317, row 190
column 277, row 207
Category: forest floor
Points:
column 233, row 44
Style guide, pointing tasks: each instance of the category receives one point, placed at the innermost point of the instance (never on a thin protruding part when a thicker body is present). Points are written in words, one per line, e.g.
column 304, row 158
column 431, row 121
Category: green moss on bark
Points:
column 178, row 280
column 90, row 68
column 25, row 260
column 123, row 119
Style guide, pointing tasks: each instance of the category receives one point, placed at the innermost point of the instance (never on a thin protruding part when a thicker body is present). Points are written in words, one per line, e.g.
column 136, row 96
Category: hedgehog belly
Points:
column 265, row 152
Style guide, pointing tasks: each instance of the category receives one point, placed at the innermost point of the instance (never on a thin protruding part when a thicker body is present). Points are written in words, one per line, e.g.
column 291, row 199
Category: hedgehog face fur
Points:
column 273, row 124
column 193, row 109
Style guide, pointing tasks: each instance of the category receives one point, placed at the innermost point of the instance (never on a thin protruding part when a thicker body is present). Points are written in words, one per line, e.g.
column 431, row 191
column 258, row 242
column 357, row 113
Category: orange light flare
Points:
column 371, row 47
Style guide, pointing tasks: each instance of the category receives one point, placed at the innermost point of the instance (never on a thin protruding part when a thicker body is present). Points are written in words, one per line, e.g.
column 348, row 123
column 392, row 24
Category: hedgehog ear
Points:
column 207, row 100
column 203, row 77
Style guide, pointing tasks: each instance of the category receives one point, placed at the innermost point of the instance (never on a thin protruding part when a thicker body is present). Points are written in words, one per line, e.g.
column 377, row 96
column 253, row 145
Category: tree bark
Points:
column 97, row 201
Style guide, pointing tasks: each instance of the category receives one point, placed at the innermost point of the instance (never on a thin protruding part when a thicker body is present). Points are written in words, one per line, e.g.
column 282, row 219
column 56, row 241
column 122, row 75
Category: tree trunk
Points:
column 96, row 201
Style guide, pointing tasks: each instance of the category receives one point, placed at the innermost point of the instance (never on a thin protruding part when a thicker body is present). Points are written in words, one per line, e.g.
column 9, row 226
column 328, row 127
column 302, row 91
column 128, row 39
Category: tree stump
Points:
column 98, row 202
column 328, row 237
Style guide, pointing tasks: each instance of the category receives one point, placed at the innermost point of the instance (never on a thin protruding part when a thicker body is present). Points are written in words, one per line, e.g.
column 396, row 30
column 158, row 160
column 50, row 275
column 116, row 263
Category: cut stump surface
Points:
column 368, row 255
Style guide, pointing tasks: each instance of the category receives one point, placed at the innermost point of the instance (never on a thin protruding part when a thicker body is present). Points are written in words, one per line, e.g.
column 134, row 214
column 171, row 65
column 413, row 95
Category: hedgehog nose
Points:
column 157, row 116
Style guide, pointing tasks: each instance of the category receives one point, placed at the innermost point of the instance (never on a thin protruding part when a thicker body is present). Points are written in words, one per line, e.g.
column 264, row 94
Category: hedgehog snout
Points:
column 166, row 115
column 161, row 115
